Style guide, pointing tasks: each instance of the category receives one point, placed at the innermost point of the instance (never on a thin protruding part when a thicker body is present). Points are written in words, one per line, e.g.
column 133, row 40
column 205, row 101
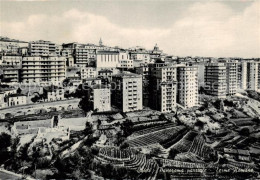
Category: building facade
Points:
column 101, row 98
column 187, row 86
column 163, row 87
column 127, row 91
column 43, row 48
column 215, row 79
column 44, row 69
column 253, row 75
column 16, row 99
column 107, row 60
column 88, row 72
column 232, row 75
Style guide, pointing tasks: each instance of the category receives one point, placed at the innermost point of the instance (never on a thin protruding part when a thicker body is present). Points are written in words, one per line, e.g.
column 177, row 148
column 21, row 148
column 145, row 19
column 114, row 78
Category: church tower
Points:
column 100, row 42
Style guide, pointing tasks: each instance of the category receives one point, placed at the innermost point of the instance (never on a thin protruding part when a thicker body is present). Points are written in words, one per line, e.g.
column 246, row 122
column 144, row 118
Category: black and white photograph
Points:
column 129, row 90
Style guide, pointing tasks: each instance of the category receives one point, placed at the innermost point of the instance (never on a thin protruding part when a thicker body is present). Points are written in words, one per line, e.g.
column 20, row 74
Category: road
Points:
column 38, row 106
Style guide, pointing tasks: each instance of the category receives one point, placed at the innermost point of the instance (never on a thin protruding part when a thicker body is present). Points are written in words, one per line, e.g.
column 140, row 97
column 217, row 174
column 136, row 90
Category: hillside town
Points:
column 91, row 111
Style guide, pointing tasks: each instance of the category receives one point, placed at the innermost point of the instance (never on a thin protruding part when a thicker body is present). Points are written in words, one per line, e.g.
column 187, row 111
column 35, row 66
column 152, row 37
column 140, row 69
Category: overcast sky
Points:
column 182, row 28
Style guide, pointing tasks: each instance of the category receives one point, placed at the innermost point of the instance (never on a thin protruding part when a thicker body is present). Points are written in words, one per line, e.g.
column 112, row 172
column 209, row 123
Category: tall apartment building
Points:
column 43, row 69
column 253, row 75
column 232, row 71
column 81, row 56
column 215, row 79
column 43, row 48
column 144, row 70
column 187, row 76
column 249, row 75
column 163, row 87
column 242, row 75
column 127, row 91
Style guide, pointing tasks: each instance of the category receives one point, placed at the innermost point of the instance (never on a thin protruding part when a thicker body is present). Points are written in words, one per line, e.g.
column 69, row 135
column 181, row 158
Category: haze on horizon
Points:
column 181, row 28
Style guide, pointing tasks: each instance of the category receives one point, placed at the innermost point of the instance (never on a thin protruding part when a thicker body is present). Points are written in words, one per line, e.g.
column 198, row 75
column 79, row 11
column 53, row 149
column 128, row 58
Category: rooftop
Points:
column 107, row 52
column 127, row 75
column 16, row 95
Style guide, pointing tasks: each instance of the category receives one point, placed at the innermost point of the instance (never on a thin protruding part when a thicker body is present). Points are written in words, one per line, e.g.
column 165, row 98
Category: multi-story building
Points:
column 4, row 93
column 215, row 79
column 163, row 87
column 101, row 98
column 144, row 70
column 232, row 68
column 88, row 72
column 155, row 54
column 139, row 56
column 107, row 60
column 44, row 69
column 53, row 93
column 242, row 75
column 11, row 60
column 127, row 91
column 16, row 99
column 253, row 75
column 81, row 56
column 43, row 48
column 187, row 76
column 11, row 74
column 124, row 60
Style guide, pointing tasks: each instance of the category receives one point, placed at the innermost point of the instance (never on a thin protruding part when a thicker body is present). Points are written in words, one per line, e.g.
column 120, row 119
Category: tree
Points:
column 19, row 91
column 173, row 153
column 88, row 128
column 244, row 132
column 66, row 82
column 85, row 104
column 5, row 140
column 127, row 127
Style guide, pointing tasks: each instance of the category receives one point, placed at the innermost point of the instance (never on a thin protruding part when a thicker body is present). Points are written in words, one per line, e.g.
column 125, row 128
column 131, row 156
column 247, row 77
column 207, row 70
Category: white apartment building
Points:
column 127, row 91
column 187, row 86
column 10, row 74
column 11, row 60
column 81, row 56
column 232, row 71
column 215, row 79
column 43, row 48
column 249, row 75
column 101, row 98
column 88, row 72
column 242, row 75
column 44, row 69
column 164, row 87
column 253, row 75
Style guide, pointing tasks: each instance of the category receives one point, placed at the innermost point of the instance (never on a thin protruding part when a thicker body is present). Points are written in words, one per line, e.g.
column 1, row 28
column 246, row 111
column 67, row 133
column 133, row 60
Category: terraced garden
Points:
column 128, row 158
column 155, row 135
